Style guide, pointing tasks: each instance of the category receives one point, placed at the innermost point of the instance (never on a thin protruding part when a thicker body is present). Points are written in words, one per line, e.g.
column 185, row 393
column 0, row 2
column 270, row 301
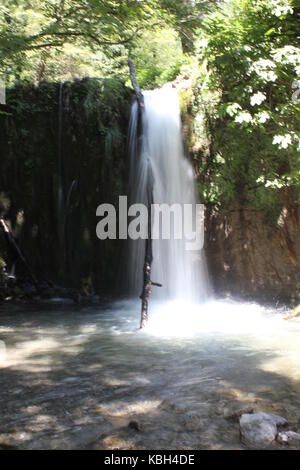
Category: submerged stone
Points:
column 260, row 429
column 289, row 437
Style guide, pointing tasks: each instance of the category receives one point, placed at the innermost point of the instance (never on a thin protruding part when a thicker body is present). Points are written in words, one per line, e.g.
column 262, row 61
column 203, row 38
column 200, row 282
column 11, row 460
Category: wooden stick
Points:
column 148, row 255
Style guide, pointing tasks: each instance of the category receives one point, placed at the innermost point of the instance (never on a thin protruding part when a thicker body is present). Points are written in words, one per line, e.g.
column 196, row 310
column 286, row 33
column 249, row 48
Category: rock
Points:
column 17, row 291
column 260, row 429
column 293, row 313
column 134, row 425
column 289, row 437
column 235, row 416
column 192, row 421
column 96, row 299
column 29, row 289
column 57, row 300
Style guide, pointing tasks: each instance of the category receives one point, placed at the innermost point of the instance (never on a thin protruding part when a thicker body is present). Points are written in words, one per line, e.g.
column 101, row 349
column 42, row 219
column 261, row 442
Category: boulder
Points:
column 260, row 429
column 289, row 437
column 293, row 313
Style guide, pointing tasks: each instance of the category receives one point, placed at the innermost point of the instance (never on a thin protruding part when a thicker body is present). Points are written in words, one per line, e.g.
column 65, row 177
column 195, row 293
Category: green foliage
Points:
column 245, row 127
column 93, row 141
column 71, row 37
column 244, row 102
column 67, row 39
column 157, row 56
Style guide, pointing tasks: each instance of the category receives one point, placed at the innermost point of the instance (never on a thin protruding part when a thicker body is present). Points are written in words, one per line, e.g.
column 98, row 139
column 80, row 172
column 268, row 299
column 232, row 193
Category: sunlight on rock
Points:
column 114, row 441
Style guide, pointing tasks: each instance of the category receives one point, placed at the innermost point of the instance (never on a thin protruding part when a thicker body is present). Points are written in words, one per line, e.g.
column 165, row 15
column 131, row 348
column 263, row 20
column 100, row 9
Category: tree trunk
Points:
column 148, row 254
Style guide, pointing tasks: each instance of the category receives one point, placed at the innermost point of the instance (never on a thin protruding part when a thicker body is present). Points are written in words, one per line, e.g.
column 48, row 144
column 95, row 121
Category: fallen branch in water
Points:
column 147, row 272
column 147, row 283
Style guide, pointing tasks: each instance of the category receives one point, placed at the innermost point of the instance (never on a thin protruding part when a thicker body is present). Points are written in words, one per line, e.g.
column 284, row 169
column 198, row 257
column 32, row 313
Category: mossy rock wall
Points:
column 63, row 151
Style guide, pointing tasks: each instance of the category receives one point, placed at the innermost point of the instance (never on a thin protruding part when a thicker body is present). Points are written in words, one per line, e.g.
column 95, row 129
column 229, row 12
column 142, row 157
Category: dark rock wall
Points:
column 248, row 257
column 58, row 235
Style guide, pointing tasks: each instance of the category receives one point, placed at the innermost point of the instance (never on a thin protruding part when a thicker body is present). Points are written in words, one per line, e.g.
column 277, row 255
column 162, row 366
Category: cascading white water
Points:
column 182, row 273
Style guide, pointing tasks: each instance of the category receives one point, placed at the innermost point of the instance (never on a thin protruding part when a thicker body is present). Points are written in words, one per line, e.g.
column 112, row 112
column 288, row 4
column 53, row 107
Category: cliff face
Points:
column 62, row 153
column 248, row 257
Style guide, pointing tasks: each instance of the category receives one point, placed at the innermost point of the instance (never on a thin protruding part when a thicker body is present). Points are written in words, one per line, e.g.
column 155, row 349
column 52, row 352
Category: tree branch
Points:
column 100, row 42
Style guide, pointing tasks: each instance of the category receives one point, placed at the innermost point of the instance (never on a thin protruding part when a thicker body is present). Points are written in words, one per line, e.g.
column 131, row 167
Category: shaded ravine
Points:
column 90, row 379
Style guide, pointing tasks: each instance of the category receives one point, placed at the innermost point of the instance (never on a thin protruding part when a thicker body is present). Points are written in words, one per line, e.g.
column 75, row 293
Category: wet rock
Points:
column 29, row 289
column 289, row 437
column 134, row 425
column 167, row 405
column 235, row 415
column 115, row 440
column 17, row 291
column 58, row 300
column 96, row 299
column 57, row 295
column 192, row 421
column 295, row 313
column 260, row 429
column 4, row 446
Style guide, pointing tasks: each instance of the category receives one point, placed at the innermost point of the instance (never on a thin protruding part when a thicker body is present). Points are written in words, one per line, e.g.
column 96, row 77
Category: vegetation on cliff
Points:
column 86, row 122
column 249, row 106
column 243, row 56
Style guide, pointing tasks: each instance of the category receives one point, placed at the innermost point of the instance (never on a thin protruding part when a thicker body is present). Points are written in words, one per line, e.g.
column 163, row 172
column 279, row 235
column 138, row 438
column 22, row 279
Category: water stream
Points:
column 182, row 273
column 88, row 378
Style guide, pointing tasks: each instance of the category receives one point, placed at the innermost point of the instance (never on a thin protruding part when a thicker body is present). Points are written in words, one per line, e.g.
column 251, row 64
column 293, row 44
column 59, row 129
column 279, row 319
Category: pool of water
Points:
column 89, row 378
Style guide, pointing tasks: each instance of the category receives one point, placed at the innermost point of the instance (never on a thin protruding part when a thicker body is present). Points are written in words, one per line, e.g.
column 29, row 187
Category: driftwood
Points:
column 147, row 283
column 12, row 242
column 147, row 263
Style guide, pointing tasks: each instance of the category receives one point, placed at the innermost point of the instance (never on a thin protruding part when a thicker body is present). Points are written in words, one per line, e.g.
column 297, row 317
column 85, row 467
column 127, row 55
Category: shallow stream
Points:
column 88, row 378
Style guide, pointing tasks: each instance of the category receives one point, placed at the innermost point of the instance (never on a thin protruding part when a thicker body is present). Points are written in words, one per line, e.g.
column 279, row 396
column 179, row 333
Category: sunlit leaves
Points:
column 28, row 28
column 252, row 60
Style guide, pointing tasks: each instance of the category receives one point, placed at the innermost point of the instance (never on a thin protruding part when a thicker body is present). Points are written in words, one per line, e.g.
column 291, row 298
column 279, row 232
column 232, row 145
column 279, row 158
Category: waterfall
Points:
column 60, row 174
column 182, row 273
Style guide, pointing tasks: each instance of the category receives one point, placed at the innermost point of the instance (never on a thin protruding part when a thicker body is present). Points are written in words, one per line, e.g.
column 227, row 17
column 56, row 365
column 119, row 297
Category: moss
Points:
column 185, row 98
